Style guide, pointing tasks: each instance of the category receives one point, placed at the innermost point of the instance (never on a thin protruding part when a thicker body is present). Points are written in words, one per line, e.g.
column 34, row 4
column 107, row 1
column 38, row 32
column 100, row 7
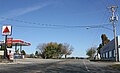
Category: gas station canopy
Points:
column 20, row 43
column 17, row 43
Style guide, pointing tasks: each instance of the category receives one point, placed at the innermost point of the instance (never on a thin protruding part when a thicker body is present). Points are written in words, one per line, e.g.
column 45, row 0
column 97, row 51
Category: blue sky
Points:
column 32, row 21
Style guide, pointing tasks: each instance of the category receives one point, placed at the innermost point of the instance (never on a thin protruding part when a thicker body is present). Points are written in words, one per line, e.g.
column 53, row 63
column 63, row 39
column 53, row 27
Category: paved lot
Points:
column 56, row 66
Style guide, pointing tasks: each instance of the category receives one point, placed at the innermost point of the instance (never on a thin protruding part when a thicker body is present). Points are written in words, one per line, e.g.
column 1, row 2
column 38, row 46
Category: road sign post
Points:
column 5, row 50
column 6, row 31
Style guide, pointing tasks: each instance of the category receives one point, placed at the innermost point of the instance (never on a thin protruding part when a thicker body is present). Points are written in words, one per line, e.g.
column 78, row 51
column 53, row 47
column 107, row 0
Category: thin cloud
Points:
column 25, row 10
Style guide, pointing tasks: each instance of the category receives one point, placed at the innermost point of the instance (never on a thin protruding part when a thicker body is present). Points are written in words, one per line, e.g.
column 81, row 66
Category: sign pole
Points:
column 6, row 31
column 5, row 50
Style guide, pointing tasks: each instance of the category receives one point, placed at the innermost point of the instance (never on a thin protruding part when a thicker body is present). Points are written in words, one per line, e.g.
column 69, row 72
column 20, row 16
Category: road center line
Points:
column 86, row 66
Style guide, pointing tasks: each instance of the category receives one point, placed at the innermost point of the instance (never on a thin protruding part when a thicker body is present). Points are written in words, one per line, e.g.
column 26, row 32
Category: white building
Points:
column 108, row 51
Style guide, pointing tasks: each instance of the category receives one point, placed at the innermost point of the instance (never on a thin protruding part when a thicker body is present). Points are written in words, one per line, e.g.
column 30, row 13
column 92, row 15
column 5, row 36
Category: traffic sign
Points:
column 7, row 30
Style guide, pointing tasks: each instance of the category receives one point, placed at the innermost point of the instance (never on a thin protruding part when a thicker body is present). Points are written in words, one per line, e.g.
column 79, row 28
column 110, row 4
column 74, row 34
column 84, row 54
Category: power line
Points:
column 104, row 16
column 109, row 4
column 54, row 28
column 104, row 3
column 72, row 27
column 39, row 25
column 116, row 2
column 94, row 4
column 21, row 21
column 102, row 27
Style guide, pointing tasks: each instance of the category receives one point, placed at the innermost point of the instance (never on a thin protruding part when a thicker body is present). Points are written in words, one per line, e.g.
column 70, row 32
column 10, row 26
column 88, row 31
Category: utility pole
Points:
column 113, row 19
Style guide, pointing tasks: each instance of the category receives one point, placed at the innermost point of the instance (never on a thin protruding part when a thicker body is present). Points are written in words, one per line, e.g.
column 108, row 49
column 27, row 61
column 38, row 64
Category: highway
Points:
column 56, row 66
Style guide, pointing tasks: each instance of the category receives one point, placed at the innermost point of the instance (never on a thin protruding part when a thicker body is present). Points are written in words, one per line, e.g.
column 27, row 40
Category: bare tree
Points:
column 67, row 49
column 41, row 49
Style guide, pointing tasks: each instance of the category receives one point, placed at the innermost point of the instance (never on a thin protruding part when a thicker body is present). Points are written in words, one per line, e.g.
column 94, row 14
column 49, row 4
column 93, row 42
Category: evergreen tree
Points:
column 23, row 52
column 105, row 40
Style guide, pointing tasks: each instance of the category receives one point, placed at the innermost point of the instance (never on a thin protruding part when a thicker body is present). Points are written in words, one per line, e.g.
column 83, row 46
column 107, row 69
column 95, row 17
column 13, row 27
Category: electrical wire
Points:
column 54, row 28
column 109, row 4
column 104, row 3
column 105, row 13
column 39, row 25
column 116, row 2
column 94, row 4
column 71, row 27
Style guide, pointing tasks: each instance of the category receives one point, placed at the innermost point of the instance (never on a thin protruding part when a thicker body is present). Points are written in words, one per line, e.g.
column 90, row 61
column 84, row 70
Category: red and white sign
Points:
column 7, row 30
column 9, row 40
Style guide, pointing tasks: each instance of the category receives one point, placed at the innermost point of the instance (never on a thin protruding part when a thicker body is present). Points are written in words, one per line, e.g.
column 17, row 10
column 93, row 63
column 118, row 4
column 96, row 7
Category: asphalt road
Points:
column 56, row 66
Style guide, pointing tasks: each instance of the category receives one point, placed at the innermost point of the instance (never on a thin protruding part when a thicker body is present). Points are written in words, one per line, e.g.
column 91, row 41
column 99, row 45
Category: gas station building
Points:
column 10, row 45
column 16, row 44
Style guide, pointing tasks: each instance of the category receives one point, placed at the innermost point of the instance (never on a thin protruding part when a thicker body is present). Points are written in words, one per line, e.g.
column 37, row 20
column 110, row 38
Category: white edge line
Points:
column 86, row 66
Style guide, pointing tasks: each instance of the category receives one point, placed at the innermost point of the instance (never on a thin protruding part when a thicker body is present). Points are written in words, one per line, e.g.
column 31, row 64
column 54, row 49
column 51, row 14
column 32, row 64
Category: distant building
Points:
column 108, row 51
